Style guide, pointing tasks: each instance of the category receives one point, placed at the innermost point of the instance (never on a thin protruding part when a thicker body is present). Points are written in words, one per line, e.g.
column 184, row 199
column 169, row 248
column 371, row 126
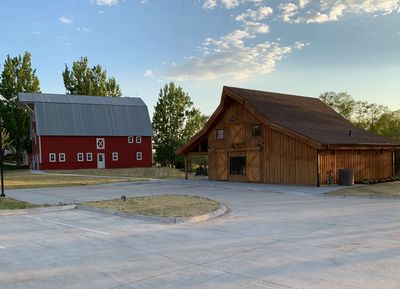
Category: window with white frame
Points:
column 100, row 143
column 139, row 156
column 115, row 156
column 89, row 157
column 138, row 139
column 52, row 157
column 80, row 157
column 61, row 157
column 130, row 139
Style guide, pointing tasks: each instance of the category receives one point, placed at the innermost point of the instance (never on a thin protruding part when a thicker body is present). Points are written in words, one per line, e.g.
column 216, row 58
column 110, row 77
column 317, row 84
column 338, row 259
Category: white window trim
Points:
column 89, row 157
column 115, row 156
column 97, row 143
column 61, row 157
column 80, row 157
column 52, row 157
column 139, row 156
column 138, row 139
column 130, row 139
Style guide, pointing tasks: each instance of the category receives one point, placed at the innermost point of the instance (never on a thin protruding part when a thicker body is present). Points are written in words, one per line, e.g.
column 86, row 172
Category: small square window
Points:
column 89, row 157
column 115, row 156
column 130, row 139
column 220, row 133
column 80, row 157
column 52, row 157
column 139, row 156
column 256, row 130
column 100, row 143
column 61, row 157
column 138, row 139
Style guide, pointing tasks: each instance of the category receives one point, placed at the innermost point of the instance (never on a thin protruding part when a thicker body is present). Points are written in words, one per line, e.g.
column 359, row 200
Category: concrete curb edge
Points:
column 37, row 210
column 222, row 210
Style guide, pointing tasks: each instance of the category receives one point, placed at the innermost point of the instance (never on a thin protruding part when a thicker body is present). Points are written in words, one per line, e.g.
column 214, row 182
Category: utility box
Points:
column 346, row 177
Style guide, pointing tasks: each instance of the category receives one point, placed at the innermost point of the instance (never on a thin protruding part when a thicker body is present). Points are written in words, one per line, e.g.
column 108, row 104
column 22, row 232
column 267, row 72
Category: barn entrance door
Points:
column 253, row 166
column 101, row 161
column 222, row 166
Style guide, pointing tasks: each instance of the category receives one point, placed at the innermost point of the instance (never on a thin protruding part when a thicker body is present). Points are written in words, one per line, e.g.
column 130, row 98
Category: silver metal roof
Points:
column 77, row 115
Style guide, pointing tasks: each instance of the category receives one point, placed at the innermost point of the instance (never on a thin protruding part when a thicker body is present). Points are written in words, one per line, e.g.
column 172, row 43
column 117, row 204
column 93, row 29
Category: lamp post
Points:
column 1, row 159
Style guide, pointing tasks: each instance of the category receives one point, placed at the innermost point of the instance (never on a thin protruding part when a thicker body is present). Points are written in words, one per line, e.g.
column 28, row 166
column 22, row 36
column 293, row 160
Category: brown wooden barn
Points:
column 257, row 136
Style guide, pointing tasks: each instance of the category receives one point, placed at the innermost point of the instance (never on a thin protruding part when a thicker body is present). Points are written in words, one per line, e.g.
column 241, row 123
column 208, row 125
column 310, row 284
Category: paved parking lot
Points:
column 274, row 237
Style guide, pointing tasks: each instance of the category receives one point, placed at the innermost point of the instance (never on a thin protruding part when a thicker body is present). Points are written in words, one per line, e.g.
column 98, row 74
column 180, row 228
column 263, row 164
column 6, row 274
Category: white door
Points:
column 101, row 162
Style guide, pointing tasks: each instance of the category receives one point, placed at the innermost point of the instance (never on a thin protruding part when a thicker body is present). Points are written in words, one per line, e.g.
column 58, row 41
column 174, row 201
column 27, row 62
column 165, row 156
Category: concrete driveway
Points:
column 274, row 237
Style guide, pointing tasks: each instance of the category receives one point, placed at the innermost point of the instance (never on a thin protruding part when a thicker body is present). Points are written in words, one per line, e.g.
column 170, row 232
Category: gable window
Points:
column 139, row 156
column 130, row 139
column 220, row 133
column 52, row 157
column 138, row 139
column 89, row 157
column 256, row 130
column 115, row 156
column 80, row 157
column 61, row 157
column 100, row 143
column 237, row 166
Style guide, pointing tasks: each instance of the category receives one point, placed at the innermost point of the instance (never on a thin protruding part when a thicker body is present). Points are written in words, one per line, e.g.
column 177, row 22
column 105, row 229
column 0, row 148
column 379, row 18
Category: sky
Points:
column 302, row 47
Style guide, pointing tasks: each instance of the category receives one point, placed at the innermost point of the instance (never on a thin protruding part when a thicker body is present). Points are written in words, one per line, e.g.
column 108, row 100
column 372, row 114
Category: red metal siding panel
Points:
column 71, row 146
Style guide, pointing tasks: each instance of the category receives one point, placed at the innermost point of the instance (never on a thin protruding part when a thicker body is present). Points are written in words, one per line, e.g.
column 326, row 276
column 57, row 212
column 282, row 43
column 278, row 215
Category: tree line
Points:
column 363, row 114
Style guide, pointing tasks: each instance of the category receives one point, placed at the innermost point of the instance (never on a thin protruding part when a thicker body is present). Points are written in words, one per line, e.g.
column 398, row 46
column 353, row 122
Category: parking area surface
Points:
column 273, row 237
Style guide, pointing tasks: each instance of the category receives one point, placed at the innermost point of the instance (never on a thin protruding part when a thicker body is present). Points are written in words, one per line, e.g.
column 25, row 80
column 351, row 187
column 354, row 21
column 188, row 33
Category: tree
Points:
column 175, row 120
column 17, row 76
column 367, row 115
column 341, row 102
column 82, row 80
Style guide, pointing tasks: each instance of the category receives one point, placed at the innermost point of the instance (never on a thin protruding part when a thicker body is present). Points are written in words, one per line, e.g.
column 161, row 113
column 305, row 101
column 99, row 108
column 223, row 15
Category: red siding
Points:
column 72, row 145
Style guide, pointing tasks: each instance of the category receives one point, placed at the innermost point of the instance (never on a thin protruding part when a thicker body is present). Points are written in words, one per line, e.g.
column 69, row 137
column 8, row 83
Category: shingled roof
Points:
column 306, row 117
column 80, row 115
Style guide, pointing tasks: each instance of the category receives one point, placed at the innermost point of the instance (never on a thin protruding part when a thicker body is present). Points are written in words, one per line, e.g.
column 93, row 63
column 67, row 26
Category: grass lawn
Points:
column 381, row 189
column 162, row 206
column 22, row 179
column 153, row 173
column 12, row 204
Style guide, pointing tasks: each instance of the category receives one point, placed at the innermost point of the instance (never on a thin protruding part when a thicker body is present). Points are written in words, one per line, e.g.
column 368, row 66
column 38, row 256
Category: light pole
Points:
column 1, row 159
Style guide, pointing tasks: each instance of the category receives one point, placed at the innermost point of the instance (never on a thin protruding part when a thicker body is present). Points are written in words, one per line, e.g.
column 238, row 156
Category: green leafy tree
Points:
column 341, row 102
column 367, row 115
column 83, row 80
column 17, row 76
column 175, row 120
column 5, row 139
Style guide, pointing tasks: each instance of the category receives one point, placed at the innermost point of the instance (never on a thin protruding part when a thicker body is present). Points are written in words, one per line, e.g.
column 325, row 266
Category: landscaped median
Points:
column 165, row 208
column 13, row 204
column 391, row 189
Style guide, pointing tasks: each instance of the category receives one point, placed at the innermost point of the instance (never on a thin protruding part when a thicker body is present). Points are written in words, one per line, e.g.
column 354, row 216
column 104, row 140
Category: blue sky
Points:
column 301, row 47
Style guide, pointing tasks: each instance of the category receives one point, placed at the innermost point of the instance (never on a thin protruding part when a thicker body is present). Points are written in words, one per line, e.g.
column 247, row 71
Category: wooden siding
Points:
column 272, row 157
column 366, row 164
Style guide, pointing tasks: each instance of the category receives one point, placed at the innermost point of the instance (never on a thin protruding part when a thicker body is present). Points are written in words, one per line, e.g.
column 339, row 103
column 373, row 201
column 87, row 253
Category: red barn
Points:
column 88, row 132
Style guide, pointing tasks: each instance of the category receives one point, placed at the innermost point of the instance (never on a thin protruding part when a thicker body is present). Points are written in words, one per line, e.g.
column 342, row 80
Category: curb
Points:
column 37, row 210
column 222, row 210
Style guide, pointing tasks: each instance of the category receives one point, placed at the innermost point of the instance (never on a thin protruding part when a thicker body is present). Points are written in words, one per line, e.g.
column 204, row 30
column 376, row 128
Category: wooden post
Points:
column 186, row 167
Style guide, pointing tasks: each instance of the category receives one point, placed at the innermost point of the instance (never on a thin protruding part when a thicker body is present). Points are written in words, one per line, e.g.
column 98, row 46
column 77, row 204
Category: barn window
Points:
column 130, row 139
column 139, row 156
column 256, row 130
column 220, row 133
column 61, row 157
column 52, row 157
column 89, row 157
column 100, row 143
column 138, row 139
column 237, row 166
column 80, row 157
column 115, row 156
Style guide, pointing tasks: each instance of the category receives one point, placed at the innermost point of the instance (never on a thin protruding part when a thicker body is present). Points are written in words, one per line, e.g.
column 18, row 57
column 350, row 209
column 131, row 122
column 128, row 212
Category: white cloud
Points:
column 209, row 4
column 83, row 29
column 304, row 3
column 288, row 11
column 106, row 2
column 65, row 20
column 148, row 73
